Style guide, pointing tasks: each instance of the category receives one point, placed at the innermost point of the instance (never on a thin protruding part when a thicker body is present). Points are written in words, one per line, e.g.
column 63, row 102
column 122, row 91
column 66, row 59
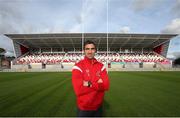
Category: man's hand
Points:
column 100, row 81
column 87, row 83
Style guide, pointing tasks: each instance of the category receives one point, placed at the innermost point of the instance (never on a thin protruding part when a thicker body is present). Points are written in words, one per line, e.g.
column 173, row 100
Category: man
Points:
column 90, row 81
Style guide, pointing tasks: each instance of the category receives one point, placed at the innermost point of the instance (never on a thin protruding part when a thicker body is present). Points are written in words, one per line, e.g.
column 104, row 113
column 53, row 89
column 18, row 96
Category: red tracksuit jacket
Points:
column 89, row 98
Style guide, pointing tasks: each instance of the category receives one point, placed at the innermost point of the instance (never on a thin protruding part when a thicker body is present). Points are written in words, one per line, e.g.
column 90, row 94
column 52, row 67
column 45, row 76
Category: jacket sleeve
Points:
column 102, row 86
column 77, row 81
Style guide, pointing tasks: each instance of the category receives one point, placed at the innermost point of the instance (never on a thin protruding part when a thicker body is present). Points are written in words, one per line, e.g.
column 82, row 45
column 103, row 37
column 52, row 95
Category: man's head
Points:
column 89, row 49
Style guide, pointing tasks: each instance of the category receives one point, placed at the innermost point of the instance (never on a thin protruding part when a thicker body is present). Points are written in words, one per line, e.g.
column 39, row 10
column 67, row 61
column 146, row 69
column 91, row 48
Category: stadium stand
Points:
column 41, row 58
column 61, row 51
column 55, row 58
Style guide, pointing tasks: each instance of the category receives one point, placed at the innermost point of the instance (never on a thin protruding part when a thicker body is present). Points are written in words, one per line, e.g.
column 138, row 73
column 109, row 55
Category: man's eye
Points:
column 90, row 49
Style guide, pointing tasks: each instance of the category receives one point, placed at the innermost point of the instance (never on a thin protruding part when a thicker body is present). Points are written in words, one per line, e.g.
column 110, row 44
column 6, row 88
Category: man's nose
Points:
column 90, row 51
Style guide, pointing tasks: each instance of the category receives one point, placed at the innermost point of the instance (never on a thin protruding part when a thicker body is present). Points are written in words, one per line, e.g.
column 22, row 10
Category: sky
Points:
column 99, row 16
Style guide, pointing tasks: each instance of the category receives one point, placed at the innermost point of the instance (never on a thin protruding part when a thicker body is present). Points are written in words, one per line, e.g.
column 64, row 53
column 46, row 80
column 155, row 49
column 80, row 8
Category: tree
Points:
column 177, row 61
column 2, row 51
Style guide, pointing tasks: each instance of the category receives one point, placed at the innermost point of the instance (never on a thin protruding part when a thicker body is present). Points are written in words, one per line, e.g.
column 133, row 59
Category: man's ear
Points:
column 96, row 51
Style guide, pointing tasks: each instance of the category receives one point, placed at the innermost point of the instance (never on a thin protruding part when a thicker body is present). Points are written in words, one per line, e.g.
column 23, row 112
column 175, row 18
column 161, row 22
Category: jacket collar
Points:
column 90, row 61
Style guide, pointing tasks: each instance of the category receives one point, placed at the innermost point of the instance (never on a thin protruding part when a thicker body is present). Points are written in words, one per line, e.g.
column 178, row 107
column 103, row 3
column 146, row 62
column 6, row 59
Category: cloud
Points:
column 92, row 17
column 139, row 5
column 172, row 27
column 36, row 16
column 9, row 54
column 10, row 16
column 174, row 55
column 6, row 43
column 173, row 6
column 28, row 17
column 125, row 29
column 176, row 8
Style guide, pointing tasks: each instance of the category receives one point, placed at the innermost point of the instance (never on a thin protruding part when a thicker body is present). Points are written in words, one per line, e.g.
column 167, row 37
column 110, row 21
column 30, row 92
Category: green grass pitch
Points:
column 51, row 94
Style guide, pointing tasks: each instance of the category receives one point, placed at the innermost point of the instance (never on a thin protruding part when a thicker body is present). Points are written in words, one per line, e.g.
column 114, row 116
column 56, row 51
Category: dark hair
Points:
column 89, row 42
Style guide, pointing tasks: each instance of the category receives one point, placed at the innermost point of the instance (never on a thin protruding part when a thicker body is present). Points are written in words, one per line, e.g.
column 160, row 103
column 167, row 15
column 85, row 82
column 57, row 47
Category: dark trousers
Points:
column 93, row 113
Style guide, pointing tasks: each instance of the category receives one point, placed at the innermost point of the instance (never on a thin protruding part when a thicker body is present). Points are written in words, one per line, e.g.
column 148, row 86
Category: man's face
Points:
column 89, row 51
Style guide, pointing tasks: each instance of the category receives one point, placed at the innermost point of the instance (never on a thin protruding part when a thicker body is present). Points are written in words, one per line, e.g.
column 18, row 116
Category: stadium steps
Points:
column 14, row 61
column 161, row 66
